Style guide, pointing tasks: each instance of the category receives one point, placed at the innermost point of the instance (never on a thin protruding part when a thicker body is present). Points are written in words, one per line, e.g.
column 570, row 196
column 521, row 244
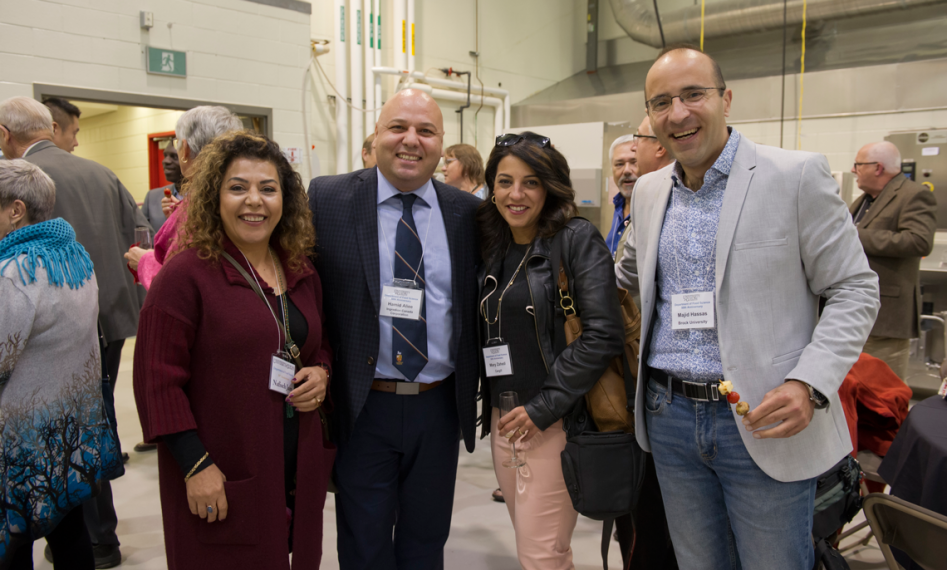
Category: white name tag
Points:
column 692, row 311
column 281, row 375
column 497, row 360
column 401, row 302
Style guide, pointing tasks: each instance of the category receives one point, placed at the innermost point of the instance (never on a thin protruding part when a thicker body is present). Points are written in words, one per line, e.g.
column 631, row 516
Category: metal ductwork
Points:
column 733, row 17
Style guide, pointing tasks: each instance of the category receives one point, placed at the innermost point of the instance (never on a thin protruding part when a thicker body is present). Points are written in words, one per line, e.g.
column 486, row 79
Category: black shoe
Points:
column 498, row 496
column 107, row 555
column 48, row 554
column 143, row 447
column 124, row 457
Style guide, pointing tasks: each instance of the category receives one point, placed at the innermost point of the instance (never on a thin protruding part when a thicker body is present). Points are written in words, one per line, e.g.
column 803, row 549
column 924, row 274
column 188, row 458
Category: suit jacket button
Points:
column 371, row 360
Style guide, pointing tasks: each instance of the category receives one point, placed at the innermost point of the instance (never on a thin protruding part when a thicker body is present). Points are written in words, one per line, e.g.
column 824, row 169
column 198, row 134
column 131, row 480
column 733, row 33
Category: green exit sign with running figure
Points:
column 167, row 62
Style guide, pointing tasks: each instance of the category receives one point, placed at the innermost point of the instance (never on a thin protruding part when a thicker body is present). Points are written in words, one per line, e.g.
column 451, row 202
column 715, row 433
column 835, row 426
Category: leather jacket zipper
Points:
column 535, row 322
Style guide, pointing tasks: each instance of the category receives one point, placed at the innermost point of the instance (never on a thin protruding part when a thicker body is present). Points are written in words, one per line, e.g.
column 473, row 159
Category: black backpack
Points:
column 837, row 501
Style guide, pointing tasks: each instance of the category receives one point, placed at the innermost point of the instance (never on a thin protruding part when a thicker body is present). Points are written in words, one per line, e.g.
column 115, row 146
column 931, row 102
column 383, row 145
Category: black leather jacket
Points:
column 575, row 370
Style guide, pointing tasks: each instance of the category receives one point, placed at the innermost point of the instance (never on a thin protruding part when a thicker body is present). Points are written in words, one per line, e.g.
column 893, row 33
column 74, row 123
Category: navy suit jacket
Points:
column 345, row 215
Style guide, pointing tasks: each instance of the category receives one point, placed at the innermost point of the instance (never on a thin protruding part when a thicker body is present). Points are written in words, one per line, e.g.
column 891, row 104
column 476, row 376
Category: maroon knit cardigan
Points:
column 202, row 361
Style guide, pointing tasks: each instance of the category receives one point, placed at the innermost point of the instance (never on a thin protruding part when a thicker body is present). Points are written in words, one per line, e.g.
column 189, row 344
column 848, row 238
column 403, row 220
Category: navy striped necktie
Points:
column 408, row 337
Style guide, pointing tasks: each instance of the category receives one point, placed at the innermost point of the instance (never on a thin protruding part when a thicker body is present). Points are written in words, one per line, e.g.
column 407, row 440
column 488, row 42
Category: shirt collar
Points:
column 619, row 200
column 722, row 165
column 386, row 190
column 27, row 151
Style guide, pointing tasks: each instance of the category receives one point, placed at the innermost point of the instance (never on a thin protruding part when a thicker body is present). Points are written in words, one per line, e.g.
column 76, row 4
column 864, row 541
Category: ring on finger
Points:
column 210, row 510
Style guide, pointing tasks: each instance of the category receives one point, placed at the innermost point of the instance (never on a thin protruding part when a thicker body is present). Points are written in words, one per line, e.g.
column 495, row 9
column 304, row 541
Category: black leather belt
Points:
column 700, row 391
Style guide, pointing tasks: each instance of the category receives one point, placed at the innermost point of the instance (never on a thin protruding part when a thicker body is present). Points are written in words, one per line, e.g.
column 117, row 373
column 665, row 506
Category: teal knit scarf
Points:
column 53, row 242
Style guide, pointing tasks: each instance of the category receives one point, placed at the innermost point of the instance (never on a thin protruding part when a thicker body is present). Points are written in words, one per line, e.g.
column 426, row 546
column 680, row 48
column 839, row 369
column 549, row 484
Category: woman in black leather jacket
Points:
column 529, row 212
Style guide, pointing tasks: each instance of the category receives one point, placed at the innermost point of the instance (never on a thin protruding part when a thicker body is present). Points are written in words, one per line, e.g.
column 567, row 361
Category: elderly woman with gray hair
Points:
column 56, row 444
column 195, row 130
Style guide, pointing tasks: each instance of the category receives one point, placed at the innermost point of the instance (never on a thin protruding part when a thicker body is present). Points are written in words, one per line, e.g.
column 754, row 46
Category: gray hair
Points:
column 618, row 142
column 26, row 118
column 885, row 154
column 200, row 125
column 26, row 182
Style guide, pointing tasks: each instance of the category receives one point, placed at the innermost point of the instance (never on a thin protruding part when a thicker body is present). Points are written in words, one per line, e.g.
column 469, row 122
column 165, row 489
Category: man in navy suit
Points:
column 398, row 257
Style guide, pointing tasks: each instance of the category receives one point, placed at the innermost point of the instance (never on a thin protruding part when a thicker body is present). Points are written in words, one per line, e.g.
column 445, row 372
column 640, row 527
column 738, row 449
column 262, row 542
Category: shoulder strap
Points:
column 259, row 292
column 558, row 269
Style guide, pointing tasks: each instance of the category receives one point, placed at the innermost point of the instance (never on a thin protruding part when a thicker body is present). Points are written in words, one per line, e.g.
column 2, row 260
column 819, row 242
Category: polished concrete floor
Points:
column 481, row 534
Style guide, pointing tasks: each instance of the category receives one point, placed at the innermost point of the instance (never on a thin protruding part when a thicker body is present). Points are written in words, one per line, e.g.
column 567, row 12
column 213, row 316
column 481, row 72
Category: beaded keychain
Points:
column 726, row 388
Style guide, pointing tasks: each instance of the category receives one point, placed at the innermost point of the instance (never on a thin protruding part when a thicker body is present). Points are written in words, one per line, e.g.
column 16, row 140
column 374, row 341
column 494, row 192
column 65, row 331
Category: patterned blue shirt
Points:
column 686, row 261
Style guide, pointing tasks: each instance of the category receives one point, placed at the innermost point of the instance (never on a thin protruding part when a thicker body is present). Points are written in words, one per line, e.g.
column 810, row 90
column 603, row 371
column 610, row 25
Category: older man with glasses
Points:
column 896, row 220
column 732, row 248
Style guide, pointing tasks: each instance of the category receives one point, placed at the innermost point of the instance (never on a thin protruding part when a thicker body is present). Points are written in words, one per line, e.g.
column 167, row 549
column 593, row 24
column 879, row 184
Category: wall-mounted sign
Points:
column 166, row 62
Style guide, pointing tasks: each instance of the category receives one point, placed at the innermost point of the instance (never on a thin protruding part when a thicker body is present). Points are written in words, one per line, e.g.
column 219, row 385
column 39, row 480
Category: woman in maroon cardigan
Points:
column 243, row 467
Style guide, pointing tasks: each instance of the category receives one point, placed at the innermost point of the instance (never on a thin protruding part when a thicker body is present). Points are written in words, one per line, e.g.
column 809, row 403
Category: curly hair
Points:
column 553, row 172
column 204, row 229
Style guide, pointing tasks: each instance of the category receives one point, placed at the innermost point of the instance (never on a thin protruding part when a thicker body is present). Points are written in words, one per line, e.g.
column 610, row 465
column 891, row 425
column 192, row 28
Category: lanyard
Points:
column 484, row 308
column 284, row 330
column 391, row 257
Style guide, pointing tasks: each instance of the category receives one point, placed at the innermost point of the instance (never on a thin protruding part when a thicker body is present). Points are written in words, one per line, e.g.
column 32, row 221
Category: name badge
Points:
column 496, row 356
column 281, row 374
column 692, row 311
column 401, row 299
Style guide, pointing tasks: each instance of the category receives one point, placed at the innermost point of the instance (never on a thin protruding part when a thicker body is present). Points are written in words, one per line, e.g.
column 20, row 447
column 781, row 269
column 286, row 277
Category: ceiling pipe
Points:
column 734, row 17
column 475, row 91
column 445, row 95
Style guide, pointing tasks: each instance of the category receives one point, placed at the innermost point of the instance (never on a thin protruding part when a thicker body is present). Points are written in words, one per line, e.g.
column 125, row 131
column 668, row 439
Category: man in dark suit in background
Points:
column 406, row 372
column 102, row 212
column 896, row 220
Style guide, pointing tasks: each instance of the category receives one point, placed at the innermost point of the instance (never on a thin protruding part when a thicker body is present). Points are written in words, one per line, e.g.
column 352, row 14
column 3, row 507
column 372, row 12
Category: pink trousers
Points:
column 536, row 496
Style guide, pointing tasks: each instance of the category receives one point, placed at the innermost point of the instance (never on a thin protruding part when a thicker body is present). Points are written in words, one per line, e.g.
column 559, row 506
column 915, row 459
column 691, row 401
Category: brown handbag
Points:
column 607, row 401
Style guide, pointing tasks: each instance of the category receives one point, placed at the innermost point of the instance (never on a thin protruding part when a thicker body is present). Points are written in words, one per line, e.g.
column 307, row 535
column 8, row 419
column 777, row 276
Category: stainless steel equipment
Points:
column 924, row 159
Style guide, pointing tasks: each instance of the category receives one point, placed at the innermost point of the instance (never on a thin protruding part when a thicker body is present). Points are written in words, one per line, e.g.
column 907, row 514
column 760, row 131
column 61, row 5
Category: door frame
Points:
column 43, row 90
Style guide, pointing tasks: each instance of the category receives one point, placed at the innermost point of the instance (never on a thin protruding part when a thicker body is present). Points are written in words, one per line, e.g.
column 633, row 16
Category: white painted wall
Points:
column 525, row 46
column 238, row 52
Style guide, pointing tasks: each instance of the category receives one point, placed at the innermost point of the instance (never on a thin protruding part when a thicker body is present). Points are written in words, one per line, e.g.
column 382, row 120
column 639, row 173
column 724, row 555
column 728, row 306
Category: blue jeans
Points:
column 723, row 512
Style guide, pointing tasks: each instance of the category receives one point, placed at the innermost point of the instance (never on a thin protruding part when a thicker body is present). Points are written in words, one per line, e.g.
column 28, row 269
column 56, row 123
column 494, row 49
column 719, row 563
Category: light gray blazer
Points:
column 151, row 207
column 785, row 238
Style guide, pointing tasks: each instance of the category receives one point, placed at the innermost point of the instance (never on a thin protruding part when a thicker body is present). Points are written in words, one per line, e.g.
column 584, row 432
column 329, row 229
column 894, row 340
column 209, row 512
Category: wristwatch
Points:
column 821, row 402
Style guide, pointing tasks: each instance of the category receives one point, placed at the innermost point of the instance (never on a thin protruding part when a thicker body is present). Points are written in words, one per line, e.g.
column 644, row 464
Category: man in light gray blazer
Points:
column 102, row 212
column 733, row 245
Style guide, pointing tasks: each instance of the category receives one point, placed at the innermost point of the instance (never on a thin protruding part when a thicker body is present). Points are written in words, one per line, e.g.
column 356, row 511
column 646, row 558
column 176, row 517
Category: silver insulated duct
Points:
column 733, row 17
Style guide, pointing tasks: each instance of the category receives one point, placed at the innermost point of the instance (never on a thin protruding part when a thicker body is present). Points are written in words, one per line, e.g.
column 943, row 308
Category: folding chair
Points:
column 918, row 532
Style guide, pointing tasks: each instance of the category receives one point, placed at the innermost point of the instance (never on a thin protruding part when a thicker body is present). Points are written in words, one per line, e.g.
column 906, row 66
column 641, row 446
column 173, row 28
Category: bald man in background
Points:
column 896, row 220
column 404, row 389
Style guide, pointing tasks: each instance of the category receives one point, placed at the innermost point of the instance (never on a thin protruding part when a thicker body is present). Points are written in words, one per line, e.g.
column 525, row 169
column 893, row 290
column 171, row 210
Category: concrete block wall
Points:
column 118, row 141
column 238, row 52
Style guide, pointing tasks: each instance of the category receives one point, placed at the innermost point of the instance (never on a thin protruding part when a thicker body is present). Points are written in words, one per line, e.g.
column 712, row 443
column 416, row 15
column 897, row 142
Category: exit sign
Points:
column 167, row 62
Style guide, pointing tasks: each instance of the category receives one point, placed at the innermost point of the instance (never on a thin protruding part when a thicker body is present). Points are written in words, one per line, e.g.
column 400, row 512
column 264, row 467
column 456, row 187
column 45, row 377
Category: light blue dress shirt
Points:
column 687, row 253
column 437, row 276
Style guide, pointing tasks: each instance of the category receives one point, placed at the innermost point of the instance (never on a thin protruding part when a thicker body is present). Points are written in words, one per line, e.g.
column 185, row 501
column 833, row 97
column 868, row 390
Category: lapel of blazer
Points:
column 648, row 273
column 453, row 226
column 888, row 193
column 738, row 183
column 365, row 219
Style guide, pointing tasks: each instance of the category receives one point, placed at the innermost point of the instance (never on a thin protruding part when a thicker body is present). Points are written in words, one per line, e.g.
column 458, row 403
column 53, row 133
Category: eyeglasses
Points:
column 644, row 137
column 511, row 139
column 177, row 144
column 447, row 161
column 857, row 164
column 691, row 97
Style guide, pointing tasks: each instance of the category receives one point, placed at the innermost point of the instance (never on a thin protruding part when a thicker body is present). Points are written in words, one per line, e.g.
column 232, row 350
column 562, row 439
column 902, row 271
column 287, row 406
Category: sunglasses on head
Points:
column 511, row 139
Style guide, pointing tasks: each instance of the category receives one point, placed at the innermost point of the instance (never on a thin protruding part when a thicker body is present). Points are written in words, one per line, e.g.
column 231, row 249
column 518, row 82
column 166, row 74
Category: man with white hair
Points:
column 621, row 155
column 896, row 220
column 92, row 199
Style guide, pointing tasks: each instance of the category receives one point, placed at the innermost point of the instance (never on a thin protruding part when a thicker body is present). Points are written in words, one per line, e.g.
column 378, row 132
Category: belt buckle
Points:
column 407, row 388
column 700, row 391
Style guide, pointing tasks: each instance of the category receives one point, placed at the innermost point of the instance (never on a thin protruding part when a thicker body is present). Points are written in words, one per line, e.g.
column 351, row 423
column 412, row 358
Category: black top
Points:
column 518, row 329
column 186, row 446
